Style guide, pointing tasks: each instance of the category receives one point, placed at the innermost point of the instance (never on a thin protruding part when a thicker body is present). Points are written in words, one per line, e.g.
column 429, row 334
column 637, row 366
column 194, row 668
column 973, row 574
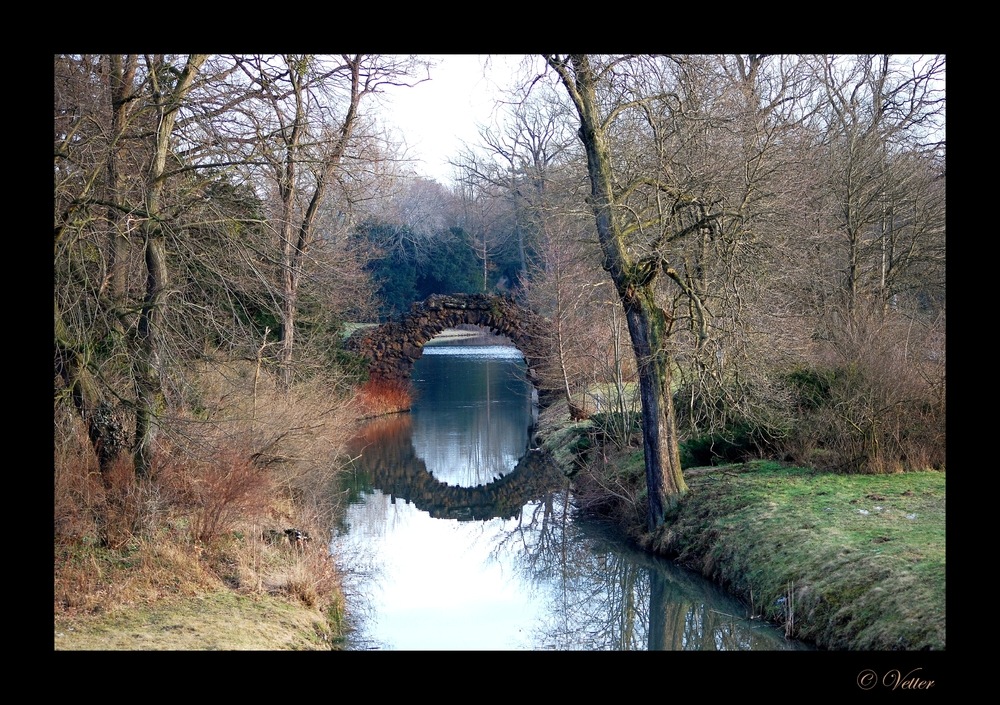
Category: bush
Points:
column 111, row 508
column 812, row 389
column 377, row 397
column 736, row 446
column 240, row 459
column 611, row 484
column 876, row 401
column 621, row 428
column 221, row 492
column 732, row 419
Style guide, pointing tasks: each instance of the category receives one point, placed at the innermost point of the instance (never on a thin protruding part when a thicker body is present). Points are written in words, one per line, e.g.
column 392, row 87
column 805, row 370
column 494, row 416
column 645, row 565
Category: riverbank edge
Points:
column 851, row 599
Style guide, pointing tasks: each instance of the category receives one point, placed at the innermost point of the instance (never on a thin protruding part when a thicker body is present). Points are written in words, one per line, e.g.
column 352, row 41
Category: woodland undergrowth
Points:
column 239, row 499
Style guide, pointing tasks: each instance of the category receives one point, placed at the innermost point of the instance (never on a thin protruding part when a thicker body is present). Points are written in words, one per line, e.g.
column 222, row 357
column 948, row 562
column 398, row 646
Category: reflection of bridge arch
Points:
column 392, row 348
column 385, row 453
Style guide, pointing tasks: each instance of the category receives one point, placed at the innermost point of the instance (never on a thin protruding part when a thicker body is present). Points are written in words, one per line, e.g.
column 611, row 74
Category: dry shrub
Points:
column 884, row 407
column 112, row 506
column 131, row 507
column 78, row 489
column 293, row 436
column 294, row 429
column 311, row 578
column 238, row 458
column 611, row 484
column 378, row 397
column 220, row 492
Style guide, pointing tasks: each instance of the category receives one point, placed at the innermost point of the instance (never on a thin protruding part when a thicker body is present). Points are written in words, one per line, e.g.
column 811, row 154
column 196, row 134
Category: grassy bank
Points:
column 213, row 621
column 852, row 562
column 847, row 562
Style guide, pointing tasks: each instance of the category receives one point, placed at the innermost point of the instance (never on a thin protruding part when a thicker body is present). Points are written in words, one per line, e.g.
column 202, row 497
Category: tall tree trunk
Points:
column 289, row 305
column 297, row 240
column 102, row 414
column 121, row 70
column 146, row 365
column 647, row 325
column 634, row 280
column 105, row 427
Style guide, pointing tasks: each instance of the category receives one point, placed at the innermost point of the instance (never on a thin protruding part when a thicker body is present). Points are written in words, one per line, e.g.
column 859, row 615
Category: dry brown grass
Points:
column 246, row 463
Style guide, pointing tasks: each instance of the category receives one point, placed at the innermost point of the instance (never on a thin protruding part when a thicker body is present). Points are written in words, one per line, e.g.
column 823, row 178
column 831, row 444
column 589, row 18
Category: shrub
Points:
column 611, row 484
column 77, row 485
column 875, row 403
column 313, row 579
column 241, row 456
column 111, row 507
column 734, row 446
column 220, row 492
column 811, row 387
column 377, row 397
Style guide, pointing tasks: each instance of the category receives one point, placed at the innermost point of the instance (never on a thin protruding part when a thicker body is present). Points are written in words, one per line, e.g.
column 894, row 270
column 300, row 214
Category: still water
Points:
column 460, row 536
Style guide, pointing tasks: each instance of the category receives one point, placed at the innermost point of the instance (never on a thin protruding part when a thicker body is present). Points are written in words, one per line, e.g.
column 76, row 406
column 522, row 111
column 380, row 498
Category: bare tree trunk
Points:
column 289, row 305
column 297, row 240
column 665, row 484
column 101, row 412
column 146, row 366
column 105, row 428
column 561, row 349
column 122, row 74
column 648, row 323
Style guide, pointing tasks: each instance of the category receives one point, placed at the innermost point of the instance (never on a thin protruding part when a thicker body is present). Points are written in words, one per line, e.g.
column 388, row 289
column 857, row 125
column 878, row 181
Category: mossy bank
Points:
column 846, row 562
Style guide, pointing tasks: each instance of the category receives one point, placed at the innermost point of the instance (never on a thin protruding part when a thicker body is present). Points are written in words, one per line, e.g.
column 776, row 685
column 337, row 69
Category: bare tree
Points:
column 633, row 277
column 168, row 94
column 412, row 214
column 526, row 169
column 733, row 149
column 516, row 162
column 123, row 171
column 161, row 249
column 871, row 249
column 684, row 156
column 882, row 126
column 309, row 130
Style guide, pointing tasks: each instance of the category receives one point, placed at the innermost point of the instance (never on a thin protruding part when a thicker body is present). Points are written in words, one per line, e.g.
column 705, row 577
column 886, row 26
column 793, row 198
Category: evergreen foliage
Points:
column 412, row 268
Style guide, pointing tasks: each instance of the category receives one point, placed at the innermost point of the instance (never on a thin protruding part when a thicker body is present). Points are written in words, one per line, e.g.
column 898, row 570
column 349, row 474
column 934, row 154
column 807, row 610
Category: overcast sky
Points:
column 437, row 116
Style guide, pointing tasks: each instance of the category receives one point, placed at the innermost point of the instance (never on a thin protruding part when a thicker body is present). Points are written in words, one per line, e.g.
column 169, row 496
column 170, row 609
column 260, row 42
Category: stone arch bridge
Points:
column 386, row 458
column 392, row 347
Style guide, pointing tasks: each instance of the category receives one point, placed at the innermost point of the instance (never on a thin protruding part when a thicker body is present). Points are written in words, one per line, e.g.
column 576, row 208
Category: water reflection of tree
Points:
column 600, row 595
column 359, row 568
column 600, row 602
column 613, row 598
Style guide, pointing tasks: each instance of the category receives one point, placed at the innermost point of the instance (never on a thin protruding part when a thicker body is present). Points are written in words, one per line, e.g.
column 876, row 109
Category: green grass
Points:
column 862, row 557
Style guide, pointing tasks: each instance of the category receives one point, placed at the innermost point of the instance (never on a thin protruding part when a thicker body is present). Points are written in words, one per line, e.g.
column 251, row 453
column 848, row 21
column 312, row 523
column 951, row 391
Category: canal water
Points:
column 460, row 536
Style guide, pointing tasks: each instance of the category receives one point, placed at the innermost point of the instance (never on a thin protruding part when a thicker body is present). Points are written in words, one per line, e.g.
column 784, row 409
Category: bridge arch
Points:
column 393, row 347
column 384, row 454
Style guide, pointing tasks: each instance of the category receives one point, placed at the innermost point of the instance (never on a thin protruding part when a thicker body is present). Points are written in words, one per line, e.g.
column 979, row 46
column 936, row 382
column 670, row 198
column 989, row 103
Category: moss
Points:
column 862, row 571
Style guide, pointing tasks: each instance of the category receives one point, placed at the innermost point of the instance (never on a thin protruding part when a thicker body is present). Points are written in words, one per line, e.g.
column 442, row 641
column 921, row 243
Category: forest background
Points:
column 777, row 221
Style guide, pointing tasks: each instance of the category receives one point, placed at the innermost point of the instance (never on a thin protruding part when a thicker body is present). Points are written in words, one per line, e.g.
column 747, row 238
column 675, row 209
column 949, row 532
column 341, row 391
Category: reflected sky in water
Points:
column 430, row 566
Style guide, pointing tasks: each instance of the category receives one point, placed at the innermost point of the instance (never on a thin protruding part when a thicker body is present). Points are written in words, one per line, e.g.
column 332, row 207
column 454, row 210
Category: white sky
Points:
column 436, row 117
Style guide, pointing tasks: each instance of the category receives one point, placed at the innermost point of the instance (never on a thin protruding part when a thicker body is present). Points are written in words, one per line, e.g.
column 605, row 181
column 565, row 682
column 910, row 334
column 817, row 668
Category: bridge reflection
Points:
column 385, row 459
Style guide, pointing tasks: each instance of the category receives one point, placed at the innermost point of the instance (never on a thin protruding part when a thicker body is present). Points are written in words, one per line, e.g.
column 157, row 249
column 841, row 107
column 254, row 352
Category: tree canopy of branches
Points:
column 747, row 215
column 201, row 204
column 706, row 174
